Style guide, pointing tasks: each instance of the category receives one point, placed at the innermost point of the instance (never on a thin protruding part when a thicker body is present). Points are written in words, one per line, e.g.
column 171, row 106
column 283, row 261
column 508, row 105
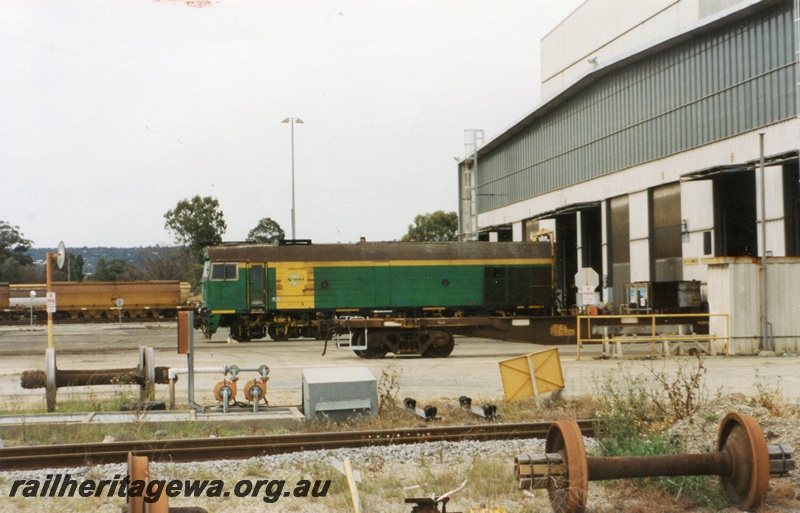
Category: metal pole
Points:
column 292, row 121
column 33, row 296
column 293, row 204
column 48, row 260
column 765, row 342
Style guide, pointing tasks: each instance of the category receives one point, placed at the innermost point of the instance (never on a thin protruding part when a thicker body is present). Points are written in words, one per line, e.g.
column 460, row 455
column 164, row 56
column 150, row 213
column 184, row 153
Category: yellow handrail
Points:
column 653, row 336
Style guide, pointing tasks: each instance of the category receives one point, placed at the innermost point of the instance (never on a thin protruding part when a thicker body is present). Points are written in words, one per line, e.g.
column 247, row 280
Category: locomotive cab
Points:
column 232, row 292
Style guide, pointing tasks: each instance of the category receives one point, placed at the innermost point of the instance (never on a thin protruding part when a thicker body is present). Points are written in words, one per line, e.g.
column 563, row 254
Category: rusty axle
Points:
column 146, row 375
column 743, row 461
column 711, row 464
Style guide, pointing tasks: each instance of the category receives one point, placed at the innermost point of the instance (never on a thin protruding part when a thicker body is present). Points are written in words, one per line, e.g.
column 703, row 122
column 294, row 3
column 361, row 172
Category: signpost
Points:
column 51, row 302
column 119, row 302
column 587, row 279
column 60, row 256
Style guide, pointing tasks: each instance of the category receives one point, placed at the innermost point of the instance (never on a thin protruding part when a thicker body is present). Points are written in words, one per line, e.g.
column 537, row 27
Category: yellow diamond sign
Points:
column 531, row 375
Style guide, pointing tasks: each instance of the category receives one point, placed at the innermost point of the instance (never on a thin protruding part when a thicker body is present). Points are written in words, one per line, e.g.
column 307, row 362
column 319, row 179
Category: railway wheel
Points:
column 442, row 344
column 568, row 495
column 741, row 437
column 278, row 333
column 370, row 352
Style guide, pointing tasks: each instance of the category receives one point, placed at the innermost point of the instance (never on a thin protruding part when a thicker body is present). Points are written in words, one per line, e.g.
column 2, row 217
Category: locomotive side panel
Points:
column 294, row 286
column 449, row 285
column 343, row 287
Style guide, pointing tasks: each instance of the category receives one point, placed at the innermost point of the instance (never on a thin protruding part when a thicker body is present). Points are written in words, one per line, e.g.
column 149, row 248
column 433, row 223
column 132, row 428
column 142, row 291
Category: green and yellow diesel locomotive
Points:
column 289, row 290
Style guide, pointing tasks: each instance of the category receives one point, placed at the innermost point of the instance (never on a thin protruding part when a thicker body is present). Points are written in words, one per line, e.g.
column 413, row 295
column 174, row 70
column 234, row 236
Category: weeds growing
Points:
column 632, row 417
column 679, row 395
column 771, row 397
column 388, row 387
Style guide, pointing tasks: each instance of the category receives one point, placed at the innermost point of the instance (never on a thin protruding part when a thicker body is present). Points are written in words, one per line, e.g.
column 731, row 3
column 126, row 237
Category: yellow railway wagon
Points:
column 92, row 300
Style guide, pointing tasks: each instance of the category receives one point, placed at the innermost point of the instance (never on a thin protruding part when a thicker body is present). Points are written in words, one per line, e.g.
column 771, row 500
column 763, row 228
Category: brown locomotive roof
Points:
column 382, row 251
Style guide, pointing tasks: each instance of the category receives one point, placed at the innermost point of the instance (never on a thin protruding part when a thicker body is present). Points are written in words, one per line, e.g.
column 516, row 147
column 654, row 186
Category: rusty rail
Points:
column 202, row 449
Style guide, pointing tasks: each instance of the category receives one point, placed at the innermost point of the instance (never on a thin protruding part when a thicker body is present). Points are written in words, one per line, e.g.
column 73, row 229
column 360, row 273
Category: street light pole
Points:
column 292, row 121
column 33, row 296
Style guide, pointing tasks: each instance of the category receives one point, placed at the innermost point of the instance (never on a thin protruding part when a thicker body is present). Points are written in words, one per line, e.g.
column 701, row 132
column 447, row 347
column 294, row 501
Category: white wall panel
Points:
column 516, row 232
column 697, row 205
column 640, row 260
column 638, row 210
column 734, row 288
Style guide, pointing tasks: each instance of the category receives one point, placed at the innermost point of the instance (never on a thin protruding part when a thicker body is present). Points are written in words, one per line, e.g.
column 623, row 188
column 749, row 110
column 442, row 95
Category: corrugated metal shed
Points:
column 697, row 89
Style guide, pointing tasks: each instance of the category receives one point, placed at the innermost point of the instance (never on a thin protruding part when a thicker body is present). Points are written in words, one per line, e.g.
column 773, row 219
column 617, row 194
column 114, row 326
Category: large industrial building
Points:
column 645, row 159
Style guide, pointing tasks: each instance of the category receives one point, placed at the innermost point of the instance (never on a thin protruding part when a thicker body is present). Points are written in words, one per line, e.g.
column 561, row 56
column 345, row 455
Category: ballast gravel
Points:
column 405, row 467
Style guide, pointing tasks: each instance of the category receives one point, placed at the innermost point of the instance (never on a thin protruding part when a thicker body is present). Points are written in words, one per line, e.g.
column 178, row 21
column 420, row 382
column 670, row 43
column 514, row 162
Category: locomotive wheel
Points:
column 278, row 333
column 568, row 494
column 442, row 345
column 369, row 352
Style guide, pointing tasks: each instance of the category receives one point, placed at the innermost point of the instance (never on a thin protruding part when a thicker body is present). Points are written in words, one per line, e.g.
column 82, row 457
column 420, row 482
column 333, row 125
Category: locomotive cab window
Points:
column 224, row 272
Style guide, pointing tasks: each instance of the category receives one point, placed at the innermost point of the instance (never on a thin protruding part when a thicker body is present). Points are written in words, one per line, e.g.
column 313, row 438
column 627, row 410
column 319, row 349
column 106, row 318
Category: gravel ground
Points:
column 391, row 474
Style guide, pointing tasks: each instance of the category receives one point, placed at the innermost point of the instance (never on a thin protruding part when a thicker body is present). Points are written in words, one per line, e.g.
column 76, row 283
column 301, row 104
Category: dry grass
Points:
column 771, row 397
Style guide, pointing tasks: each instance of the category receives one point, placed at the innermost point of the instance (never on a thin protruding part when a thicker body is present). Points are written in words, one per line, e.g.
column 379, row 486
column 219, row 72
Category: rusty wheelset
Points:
column 743, row 460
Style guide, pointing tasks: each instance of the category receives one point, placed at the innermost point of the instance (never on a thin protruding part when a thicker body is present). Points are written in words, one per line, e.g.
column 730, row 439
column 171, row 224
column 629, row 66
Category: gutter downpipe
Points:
column 766, row 344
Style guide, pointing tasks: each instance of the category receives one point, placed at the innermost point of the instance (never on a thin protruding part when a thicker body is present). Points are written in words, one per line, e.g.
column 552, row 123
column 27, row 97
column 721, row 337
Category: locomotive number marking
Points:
column 561, row 330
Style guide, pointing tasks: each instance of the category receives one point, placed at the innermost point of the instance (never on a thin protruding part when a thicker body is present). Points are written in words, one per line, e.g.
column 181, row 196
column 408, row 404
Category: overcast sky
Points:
column 112, row 111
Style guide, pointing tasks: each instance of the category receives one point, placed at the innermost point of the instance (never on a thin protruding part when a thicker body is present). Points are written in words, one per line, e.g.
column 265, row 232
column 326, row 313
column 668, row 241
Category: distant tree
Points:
column 196, row 223
column 437, row 226
column 266, row 231
column 12, row 271
column 16, row 265
column 72, row 270
column 13, row 245
column 115, row 270
column 173, row 263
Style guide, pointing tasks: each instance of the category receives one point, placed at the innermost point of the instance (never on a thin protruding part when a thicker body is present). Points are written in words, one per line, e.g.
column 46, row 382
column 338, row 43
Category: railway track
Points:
column 203, row 449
